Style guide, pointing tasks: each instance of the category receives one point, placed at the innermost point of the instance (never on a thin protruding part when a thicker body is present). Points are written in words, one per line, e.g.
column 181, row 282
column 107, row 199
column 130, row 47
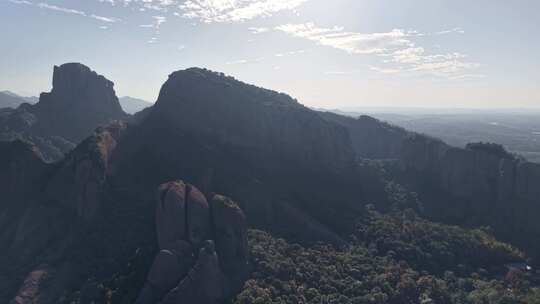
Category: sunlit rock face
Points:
column 190, row 268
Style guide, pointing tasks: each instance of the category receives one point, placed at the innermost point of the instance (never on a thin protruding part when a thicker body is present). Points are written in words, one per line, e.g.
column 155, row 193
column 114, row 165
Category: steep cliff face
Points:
column 21, row 168
column 475, row 187
column 469, row 173
column 79, row 101
column 371, row 138
column 28, row 225
column 91, row 219
column 478, row 185
column 271, row 154
column 78, row 181
column 237, row 114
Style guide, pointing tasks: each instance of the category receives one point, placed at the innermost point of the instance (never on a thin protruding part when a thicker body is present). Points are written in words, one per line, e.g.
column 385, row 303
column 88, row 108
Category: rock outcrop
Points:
column 78, row 181
column 203, row 255
column 371, row 138
column 469, row 173
column 21, row 169
column 79, row 101
column 478, row 185
column 250, row 118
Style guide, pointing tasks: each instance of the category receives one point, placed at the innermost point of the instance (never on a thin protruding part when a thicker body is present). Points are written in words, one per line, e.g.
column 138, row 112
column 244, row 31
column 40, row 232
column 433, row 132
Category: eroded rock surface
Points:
column 79, row 180
column 203, row 248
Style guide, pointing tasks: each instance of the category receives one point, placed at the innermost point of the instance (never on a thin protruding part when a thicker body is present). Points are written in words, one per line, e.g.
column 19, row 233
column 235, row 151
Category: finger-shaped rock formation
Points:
column 203, row 248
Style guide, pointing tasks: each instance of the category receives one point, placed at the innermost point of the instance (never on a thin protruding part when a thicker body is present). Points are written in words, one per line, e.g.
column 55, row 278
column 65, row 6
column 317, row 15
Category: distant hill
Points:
column 11, row 100
column 132, row 105
column 517, row 130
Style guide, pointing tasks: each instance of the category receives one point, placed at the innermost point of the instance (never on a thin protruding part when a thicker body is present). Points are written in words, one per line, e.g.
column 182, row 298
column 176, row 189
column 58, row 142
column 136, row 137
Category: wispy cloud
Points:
column 212, row 11
column 340, row 72
column 156, row 5
column 105, row 19
column 157, row 22
column 397, row 49
column 20, row 2
column 244, row 61
column 350, row 42
column 385, row 70
column 61, row 9
column 457, row 30
column 259, row 30
column 66, row 10
column 290, row 53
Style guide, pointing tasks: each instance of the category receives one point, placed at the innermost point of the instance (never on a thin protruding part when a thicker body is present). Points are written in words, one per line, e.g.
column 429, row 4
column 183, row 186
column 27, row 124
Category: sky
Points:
column 325, row 53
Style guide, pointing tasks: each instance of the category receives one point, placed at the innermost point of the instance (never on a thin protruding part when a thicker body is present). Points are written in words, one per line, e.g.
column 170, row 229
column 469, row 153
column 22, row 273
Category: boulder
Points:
column 198, row 216
column 171, row 213
column 189, row 267
column 230, row 234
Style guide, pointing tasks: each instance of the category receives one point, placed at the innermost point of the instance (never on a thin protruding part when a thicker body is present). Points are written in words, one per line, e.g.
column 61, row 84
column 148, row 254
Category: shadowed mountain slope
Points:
column 79, row 101
column 131, row 214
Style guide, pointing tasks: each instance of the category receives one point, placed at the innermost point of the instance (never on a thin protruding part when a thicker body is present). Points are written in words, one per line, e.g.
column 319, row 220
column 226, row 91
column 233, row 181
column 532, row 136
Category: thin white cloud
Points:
column 213, row 11
column 340, row 72
column 397, row 46
column 156, row 24
column 385, row 70
column 457, row 30
column 290, row 53
column 259, row 30
column 467, row 76
column 156, row 5
column 61, row 9
column 105, row 19
column 66, row 10
column 244, row 61
column 21, row 2
column 350, row 42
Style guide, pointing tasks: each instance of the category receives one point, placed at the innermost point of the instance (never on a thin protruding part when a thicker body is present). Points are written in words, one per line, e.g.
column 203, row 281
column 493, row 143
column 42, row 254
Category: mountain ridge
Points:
column 349, row 192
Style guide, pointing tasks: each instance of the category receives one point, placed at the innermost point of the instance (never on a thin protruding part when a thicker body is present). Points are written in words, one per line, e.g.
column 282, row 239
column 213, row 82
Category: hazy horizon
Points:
column 333, row 55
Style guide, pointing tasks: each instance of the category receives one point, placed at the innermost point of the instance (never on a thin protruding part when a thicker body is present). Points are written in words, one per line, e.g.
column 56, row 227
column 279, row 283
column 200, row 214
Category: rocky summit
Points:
column 250, row 118
column 79, row 101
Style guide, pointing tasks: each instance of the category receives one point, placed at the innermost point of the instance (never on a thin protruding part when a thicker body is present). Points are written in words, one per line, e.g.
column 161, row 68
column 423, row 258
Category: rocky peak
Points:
column 77, row 84
column 79, row 101
column 207, row 104
column 71, row 79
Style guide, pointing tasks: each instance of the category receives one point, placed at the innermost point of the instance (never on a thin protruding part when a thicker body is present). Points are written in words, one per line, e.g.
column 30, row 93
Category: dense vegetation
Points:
column 393, row 258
